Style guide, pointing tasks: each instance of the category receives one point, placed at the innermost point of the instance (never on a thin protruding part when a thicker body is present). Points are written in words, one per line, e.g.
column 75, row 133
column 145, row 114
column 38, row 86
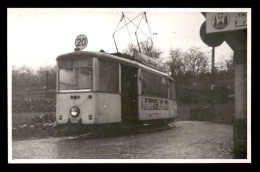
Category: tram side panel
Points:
column 108, row 108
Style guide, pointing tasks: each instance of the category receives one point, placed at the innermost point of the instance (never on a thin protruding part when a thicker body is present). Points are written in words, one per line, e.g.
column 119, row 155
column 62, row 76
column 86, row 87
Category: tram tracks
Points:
column 122, row 132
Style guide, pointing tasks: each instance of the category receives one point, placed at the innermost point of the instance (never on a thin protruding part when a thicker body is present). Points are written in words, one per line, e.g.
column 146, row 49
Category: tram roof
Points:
column 115, row 57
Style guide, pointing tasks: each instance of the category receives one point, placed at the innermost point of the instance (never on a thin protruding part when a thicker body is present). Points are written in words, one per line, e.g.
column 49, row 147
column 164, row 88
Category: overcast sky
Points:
column 37, row 36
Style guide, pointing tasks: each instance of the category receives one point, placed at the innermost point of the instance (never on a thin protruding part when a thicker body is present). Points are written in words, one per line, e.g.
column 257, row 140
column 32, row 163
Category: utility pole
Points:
column 213, row 80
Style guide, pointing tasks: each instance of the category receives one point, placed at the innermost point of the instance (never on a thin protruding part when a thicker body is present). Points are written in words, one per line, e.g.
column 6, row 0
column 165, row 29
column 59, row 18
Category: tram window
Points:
column 85, row 78
column 155, row 85
column 84, row 62
column 174, row 91
column 109, row 76
column 75, row 78
column 66, row 79
column 146, row 83
column 164, row 88
column 75, row 63
column 170, row 90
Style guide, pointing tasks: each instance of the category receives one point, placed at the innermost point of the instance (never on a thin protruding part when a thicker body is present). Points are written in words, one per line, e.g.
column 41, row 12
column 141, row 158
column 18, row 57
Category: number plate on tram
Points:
column 74, row 120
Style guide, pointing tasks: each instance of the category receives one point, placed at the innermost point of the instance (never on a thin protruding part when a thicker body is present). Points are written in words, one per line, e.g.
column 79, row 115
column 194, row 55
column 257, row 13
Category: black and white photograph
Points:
column 129, row 85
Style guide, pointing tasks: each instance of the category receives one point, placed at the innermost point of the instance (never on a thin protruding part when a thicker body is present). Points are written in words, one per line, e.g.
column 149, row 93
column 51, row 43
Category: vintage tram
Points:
column 97, row 88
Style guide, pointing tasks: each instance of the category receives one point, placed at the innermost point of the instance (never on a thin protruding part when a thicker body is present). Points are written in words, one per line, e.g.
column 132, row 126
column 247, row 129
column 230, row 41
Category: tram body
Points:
column 96, row 88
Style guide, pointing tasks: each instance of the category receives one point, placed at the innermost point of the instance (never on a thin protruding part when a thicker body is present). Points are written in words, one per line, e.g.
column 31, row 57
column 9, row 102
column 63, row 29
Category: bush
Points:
column 33, row 105
column 44, row 125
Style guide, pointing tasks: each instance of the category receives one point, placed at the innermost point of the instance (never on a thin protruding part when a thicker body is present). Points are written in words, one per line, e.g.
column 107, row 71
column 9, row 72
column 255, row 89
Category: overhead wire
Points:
column 148, row 28
column 131, row 21
column 136, row 33
column 139, row 28
column 128, row 32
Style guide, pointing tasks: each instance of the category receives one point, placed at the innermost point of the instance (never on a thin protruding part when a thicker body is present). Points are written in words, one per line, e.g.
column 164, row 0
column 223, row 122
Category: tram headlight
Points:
column 74, row 111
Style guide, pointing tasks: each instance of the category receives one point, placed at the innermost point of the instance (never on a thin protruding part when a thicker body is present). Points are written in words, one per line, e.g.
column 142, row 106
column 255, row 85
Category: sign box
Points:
column 222, row 22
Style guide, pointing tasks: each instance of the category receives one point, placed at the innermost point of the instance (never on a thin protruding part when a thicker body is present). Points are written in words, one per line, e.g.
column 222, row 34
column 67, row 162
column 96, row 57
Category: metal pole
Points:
column 240, row 123
column 115, row 43
column 213, row 79
column 137, row 42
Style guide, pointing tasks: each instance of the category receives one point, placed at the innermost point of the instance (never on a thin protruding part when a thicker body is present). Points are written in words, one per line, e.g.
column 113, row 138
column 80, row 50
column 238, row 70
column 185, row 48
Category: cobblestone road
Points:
column 189, row 140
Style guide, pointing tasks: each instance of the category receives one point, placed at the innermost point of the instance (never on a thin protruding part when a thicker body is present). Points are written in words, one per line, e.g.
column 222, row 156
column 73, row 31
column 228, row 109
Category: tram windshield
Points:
column 75, row 75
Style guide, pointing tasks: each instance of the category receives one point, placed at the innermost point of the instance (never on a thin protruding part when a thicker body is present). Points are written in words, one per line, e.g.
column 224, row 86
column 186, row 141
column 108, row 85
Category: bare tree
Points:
column 25, row 77
column 146, row 48
column 230, row 65
column 175, row 65
column 221, row 64
column 41, row 76
column 129, row 49
column 195, row 61
column 188, row 67
column 22, row 76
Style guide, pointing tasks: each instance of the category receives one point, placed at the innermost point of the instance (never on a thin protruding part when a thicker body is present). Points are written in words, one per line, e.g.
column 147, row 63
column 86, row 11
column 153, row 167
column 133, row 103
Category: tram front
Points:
column 75, row 100
column 82, row 96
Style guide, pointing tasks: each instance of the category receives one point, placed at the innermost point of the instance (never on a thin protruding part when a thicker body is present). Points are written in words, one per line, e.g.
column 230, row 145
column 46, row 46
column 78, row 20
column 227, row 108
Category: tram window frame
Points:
column 70, row 84
column 146, row 82
column 106, row 85
column 172, row 90
column 75, row 63
column 88, row 85
column 164, row 87
column 75, row 66
column 156, row 86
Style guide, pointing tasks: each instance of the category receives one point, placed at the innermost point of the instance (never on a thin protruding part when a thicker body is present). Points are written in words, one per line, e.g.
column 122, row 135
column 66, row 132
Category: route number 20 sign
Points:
column 81, row 42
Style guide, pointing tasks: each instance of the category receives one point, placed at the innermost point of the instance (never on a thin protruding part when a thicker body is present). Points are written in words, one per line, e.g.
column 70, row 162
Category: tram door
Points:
column 129, row 94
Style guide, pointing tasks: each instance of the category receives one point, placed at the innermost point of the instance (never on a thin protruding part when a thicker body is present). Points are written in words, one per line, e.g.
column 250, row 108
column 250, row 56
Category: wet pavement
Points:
column 189, row 140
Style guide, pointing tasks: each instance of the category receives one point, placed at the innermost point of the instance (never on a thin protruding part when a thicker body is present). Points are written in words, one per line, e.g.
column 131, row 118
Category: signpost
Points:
column 81, row 42
column 233, row 28
column 213, row 40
